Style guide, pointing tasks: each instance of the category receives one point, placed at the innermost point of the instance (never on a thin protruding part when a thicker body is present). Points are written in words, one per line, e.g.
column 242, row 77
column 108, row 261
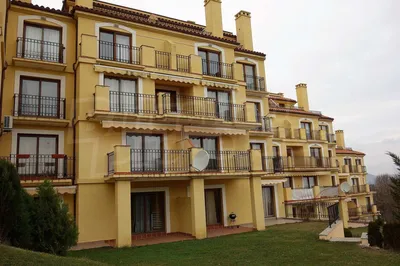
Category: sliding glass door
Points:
column 148, row 212
column 146, row 152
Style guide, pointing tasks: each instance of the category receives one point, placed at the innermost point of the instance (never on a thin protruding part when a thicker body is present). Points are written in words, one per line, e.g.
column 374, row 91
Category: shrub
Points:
column 391, row 236
column 374, row 234
column 347, row 233
column 54, row 230
column 14, row 208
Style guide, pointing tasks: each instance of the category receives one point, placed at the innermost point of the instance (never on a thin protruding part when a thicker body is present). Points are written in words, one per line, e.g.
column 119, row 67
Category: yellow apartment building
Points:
column 149, row 125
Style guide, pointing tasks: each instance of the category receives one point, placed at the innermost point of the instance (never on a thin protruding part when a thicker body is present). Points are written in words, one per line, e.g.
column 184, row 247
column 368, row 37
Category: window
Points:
column 42, row 42
column 358, row 161
column 307, row 127
column 355, row 182
column 288, row 183
column 250, row 76
column 39, row 97
column 211, row 63
column 123, row 96
column 115, row 46
column 146, row 152
column 326, row 129
column 222, row 103
column 330, row 153
column 309, row 181
column 210, row 145
column 315, row 152
column 35, row 155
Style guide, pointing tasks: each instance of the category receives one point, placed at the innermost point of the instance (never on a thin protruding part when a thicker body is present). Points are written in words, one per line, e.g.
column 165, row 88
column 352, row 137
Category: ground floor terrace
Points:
column 125, row 212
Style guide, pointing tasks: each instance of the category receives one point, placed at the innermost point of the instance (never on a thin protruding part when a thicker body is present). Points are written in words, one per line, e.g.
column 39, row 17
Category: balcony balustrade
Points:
column 183, row 63
column 39, row 50
column 33, row 167
column 356, row 189
column 119, row 53
column 254, row 83
column 39, row 106
column 158, row 161
column 289, row 164
column 266, row 125
column 217, row 69
column 163, row 60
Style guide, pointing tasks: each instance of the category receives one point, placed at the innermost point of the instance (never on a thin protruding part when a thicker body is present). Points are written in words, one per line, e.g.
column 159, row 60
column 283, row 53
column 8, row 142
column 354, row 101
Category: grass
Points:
column 358, row 231
column 290, row 244
column 14, row 257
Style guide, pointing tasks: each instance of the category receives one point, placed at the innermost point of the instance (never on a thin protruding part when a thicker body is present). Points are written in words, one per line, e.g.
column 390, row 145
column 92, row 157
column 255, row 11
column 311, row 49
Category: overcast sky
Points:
column 346, row 51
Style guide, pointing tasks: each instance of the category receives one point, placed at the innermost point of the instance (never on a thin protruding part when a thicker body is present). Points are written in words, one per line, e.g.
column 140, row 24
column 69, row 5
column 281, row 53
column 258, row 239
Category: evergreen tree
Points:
column 15, row 205
column 395, row 187
column 54, row 230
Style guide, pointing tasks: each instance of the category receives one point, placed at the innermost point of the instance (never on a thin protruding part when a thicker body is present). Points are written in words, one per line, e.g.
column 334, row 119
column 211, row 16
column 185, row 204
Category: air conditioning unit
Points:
column 8, row 123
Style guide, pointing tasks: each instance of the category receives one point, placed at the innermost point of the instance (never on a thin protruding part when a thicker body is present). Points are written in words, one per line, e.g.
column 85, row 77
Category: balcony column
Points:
column 302, row 133
column 196, row 65
column 250, row 114
column 198, row 208
column 160, row 104
column 122, row 159
column 148, row 56
column 102, row 98
column 281, row 132
column 238, row 72
column 359, row 211
column 316, row 192
column 123, row 213
column 256, row 161
column 343, row 210
column 367, row 188
column 257, row 203
column 287, row 193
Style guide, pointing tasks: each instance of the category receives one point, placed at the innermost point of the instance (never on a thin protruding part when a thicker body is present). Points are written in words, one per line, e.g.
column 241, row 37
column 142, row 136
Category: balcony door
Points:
column 250, row 76
column 35, row 155
column 307, row 127
column 316, row 156
column 169, row 100
column 39, row 97
column 213, row 202
column 123, row 96
column 276, row 159
column 326, row 129
column 42, row 43
column 209, row 144
column 222, row 103
column 115, row 46
column 148, row 212
column 211, row 63
column 309, row 181
column 347, row 161
column 268, row 201
column 146, row 152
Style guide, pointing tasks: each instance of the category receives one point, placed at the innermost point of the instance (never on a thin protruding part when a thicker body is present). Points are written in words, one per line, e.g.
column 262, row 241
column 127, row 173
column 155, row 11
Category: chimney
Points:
column 340, row 139
column 84, row 3
column 243, row 29
column 214, row 17
column 302, row 96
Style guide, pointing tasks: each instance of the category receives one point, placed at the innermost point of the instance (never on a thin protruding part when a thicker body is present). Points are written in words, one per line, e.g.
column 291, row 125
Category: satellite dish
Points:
column 345, row 187
column 200, row 160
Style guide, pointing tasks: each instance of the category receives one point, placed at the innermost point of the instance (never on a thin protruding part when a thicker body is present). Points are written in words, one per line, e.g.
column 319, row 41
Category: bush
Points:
column 347, row 233
column 54, row 230
column 14, row 208
column 374, row 234
column 391, row 236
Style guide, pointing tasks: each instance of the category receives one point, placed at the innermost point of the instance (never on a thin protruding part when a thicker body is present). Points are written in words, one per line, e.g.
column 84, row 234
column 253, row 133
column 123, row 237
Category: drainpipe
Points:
column 74, row 117
column 5, row 67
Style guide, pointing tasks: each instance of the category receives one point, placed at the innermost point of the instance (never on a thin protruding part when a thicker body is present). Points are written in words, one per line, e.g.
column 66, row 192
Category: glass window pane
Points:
column 134, row 141
column 49, row 101
column 196, row 142
column 106, row 46
column 210, row 144
column 106, row 37
column 122, row 49
column 32, row 43
column 114, row 94
column 27, row 145
column 47, row 145
column 152, row 142
column 51, row 46
column 29, row 98
column 249, row 70
column 213, row 56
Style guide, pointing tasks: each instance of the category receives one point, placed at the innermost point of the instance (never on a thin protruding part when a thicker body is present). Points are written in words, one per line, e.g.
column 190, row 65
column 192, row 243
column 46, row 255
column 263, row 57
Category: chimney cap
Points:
column 243, row 13
column 208, row 1
column 301, row 85
column 339, row 131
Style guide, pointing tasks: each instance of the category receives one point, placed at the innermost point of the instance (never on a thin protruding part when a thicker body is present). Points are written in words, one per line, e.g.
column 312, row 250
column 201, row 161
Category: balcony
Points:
column 357, row 189
column 293, row 164
column 299, row 134
column 33, row 167
column 39, row 54
column 34, row 109
column 173, row 162
column 119, row 53
column 362, row 210
column 163, row 60
column 331, row 138
column 254, row 83
column 265, row 127
column 183, row 63
column 134, row 103
column 217, row 69
column 353, row 169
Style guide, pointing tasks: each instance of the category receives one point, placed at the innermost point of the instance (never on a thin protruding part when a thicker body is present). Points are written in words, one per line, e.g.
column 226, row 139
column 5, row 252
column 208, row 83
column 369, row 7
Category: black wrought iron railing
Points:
column 366, row 209
column 42, row 166
column 205, row 107
column 217, row 69
column 159, row 161
column 163, row 60
column 315, row 134
column 333, row 213
column 110, row 163
column 119, row 52
column 282, row 164
column 231, row 161
column 330, row 138
column 308, row 210
column 266, row 125
column 135, row 103
column 254, row 83
column 183, row 63
column 358, row 189
column 39, row 106
column 40, row 50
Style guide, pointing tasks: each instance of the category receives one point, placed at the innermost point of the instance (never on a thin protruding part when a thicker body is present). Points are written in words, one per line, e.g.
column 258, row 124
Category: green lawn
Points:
column 11, row 256
column 291, row 244
column 358, row 231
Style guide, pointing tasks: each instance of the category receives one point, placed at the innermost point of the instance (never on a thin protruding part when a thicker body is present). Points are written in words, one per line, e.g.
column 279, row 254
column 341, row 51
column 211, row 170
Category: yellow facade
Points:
column 113, row 105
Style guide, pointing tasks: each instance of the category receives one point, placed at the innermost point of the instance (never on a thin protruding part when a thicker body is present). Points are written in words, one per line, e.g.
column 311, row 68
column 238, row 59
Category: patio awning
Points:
column 215, row 131
column 141, row 125
column 273, row 181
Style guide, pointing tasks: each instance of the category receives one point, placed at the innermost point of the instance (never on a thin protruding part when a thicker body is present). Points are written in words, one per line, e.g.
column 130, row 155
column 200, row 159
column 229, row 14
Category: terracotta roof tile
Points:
column 41, row 8
column 347, row 151
column 277, row 97
column 242, row 50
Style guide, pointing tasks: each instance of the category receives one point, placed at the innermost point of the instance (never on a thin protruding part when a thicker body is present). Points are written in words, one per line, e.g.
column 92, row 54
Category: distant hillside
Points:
column 371, row 179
